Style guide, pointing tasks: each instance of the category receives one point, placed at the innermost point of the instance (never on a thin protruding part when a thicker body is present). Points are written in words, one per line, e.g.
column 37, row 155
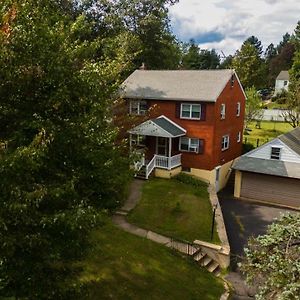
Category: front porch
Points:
column 155, row 143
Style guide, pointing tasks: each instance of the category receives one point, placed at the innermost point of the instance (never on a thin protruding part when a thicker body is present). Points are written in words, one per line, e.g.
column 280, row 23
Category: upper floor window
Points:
column 189, row 144
column 225, row 142
column 190, row 111
column 223, row 111
column 138, row 107
column 238, row 109
column 238, row 137
column 275, row 153
column 285, row 82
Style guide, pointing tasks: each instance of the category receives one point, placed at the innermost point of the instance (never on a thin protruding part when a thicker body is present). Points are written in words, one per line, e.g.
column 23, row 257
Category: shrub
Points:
column 191, row 180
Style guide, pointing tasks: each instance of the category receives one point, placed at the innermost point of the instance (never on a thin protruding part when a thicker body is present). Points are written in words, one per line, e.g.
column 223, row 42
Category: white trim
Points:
column 166, row 118
column 238, row 109
column 223, row 111
column 189, row 144
column 240, row 84
column 228, row 142
column 239, row 137
column 191, row 112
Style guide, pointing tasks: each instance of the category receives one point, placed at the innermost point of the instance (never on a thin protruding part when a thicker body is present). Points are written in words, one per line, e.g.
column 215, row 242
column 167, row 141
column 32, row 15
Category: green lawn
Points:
column 124, row 266
column 268, row 131
column 175, row 209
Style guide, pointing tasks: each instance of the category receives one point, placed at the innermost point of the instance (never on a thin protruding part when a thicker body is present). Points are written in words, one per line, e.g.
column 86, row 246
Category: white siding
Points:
column 264, row 152
column 279, row 85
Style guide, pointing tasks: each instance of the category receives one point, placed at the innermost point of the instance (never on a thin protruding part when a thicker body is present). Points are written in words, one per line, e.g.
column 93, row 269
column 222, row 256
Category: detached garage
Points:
column 271, row 173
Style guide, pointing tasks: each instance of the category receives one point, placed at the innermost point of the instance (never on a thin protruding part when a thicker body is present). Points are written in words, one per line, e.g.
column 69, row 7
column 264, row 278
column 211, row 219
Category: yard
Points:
column 175, row 209
column 268, row 131
column 123, row 266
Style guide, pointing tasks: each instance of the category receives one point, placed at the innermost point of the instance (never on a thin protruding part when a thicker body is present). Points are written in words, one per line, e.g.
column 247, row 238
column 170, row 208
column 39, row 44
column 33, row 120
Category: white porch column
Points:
column 170, row 153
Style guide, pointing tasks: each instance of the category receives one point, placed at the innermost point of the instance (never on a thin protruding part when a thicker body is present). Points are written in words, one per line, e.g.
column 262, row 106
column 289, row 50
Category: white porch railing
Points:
column 164, row 162
column 140, row 162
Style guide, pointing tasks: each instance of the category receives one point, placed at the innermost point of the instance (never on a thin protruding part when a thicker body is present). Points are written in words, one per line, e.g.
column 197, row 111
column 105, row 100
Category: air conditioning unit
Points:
column 194, row 149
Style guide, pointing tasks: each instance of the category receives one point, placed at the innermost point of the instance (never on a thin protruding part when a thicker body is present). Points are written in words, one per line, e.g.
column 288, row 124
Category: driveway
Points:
column 245, row 219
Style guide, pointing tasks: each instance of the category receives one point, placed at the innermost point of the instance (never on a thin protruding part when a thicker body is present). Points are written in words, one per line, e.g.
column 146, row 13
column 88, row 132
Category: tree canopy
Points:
column 272, row 261
column 60, row 167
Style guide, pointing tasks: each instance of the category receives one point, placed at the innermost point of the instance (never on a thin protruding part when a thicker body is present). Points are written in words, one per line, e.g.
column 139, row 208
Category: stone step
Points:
column 198, row 255
column 213, row 266
column 206, row 260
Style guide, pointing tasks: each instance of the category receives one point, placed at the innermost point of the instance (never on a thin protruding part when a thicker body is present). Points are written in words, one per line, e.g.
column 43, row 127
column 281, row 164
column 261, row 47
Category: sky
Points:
column 224, row 25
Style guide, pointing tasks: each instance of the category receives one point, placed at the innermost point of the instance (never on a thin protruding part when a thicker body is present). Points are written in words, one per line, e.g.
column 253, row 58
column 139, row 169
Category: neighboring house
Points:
column 282, row 82
column 271, row 172
column 195, row 121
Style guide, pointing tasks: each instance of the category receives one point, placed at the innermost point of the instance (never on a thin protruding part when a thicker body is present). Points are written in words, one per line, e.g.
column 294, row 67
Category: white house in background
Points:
column 282, row 82
column 271, row 172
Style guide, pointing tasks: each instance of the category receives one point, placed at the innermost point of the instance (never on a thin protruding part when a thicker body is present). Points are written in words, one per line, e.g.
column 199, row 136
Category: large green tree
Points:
column 272, row 261
column 249, row 66
column 60, row 166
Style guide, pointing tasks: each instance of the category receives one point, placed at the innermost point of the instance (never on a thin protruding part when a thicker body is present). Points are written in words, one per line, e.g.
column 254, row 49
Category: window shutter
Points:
column 177, row 109
column 201, row 146
column 203, row 111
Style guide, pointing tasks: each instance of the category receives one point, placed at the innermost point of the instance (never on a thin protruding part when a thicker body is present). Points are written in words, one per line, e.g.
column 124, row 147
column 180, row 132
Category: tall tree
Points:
column 253, row 108
column 249, row 66
column 253, row 40
column 272, row 261
column 59, row 166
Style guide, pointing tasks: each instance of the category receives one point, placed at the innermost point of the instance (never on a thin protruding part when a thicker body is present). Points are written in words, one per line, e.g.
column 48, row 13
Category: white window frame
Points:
column 191, row 148
column 279, row 154
column 190, row 111
column 238, row 109
column 225, row 142
column 223, row 111
column 239, row 137
column 137, row 138
column 140, row 112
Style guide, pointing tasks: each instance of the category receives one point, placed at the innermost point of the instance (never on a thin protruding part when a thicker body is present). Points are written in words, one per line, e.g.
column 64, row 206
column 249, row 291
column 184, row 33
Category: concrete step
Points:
column 213, row 267
column 198, row 255
column 121, row 213
column 206, row 261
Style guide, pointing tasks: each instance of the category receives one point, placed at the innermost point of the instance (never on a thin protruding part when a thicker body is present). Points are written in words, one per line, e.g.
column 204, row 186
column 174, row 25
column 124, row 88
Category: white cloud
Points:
column 234, row 21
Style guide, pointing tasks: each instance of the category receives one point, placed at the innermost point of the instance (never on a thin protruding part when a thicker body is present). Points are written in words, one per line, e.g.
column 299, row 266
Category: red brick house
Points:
column 196, row 125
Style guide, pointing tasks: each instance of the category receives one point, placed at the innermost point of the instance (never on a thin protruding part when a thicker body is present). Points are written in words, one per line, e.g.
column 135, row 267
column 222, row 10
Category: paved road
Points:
column 245, row 219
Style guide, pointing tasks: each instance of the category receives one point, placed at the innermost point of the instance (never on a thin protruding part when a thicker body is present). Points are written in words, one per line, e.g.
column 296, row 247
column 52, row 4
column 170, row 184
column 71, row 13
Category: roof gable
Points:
column 184, row 85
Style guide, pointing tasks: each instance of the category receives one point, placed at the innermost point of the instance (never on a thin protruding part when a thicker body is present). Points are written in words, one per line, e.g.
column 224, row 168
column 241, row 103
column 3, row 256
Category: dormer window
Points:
column 275, row 153
column 138, row 107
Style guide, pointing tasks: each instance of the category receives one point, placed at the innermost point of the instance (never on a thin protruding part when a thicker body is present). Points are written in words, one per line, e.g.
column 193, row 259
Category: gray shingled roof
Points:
column 267, row 166
column 283, row 75
column 182, row 85
column 292, row 139
column 161, row 127
column 169, row 127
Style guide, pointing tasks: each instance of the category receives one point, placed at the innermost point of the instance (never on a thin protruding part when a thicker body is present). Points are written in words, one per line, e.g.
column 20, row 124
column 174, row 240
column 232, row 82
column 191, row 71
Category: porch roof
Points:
column 161, row 127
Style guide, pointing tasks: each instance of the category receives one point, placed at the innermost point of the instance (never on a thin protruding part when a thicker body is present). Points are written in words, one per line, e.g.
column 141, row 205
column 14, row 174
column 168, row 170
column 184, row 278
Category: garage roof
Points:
column 267, row 166
column 292, row 139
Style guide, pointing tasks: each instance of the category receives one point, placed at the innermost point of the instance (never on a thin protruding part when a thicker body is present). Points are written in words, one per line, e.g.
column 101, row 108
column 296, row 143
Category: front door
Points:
column 162, row 146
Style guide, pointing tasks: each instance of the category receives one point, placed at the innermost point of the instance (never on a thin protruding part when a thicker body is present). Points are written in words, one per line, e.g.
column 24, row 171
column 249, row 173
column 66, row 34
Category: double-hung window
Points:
column 138, row 107
column 238, row 109
column 225, row 142
column 223, row 111
column 189, row 144
column 275, row 153
column 238, row 137
column 190, row 111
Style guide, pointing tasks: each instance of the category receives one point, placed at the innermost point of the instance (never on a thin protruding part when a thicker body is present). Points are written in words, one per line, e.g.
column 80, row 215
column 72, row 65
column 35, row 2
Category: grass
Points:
column 175, row 209
column 124, row 266
column 267, row 132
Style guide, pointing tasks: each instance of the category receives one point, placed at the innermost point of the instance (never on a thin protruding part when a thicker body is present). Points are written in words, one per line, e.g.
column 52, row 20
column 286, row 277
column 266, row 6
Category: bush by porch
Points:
column 175, row 208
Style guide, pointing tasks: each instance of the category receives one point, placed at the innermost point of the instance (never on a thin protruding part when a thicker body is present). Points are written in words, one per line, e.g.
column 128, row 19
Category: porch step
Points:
column 141, row 174
column 198, row 255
